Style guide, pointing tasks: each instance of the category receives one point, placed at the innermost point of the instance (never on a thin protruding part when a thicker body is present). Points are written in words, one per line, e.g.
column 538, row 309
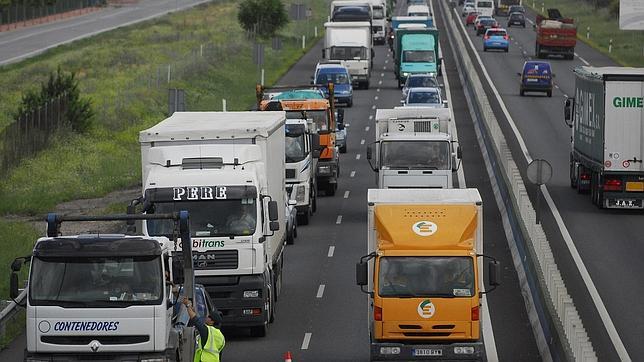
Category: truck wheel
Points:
column 521, row 92
column 289, row 236
column 571, row 174
column 549, row 93
column 314, row 202
column 330, row 189
column 303, row 219
column 366, row 85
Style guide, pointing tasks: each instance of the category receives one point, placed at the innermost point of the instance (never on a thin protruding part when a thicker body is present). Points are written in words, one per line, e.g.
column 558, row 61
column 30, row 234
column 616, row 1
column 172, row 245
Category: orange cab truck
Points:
column 423, row 275
column 309, row 102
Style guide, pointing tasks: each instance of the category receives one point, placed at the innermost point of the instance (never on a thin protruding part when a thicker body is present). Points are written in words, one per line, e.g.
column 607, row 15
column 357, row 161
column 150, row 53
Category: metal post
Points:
column 223, row 105
column 169, row 73
column 303, row 41
column 316, row 31
column 588, row 32
column 543, row 7
column 610, row 46
column 262, row 82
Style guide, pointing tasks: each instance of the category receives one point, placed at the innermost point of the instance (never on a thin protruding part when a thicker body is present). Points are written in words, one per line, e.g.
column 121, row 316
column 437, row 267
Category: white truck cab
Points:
column 351, row 43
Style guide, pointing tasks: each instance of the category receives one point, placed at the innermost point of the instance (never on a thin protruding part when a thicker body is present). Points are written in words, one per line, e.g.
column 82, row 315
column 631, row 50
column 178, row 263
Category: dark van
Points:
column 536, row 77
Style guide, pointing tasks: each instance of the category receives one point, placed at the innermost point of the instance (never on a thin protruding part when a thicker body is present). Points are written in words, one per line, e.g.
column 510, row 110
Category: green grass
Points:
column 120, row 71
column 628, row 45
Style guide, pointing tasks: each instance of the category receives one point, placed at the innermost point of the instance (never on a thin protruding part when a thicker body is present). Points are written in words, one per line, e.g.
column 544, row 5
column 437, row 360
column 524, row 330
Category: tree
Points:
column 266, row 17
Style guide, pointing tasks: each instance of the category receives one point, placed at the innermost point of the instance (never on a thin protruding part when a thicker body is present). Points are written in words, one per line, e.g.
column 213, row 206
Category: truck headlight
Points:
column 324, row 170
column 299, row 195
column 405, row 74
column 463, row 350
column 251, row 293
column 389, row 350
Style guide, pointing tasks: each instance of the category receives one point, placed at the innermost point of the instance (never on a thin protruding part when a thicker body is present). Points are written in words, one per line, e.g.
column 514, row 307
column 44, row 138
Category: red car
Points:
column 469, row 20
column 484, row 24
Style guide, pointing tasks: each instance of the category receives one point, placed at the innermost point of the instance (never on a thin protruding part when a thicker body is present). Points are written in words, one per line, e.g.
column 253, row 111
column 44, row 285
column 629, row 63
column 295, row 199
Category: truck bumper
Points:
column 557, row 50
column 169, row 355
column 227, row 294
column 327, row 172
column 623, row 200
column 471, row 351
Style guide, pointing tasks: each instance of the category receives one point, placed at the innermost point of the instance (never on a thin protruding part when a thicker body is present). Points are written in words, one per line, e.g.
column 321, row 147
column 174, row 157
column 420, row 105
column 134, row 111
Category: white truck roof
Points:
column 424, row 196
column 346, row 24
column 183, row 126
column 422, row 119
column 602, row 72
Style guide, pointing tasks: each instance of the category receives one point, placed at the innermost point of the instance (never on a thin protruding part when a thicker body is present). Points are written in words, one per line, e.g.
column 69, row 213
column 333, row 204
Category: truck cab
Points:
column 379, row 21
column 350, row 43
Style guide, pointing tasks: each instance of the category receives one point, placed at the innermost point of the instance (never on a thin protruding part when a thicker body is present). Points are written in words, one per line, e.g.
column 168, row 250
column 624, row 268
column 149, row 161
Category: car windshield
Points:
column 424, row 97
column 348, row 53
column 487, row 22
column 415, row 155
column 495, row 33
column 405, row 276
column 516, row 16
column 336, row 78
column 484, row 4
column 96, row 281
column 418, row 56
column 229, row 217
column 295, row 150
column 421, row 82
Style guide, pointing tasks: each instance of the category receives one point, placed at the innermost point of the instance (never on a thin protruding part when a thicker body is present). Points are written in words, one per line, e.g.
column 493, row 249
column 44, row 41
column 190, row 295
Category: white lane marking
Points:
column 386, row 61
column 362, row 142
column 331, row 251
column 378, row 89
column 556, row 86
column 307, row 340
column 581, row 267
column 346, row 194
column 370, row 117
column 379, row 82
column 382, row 74
column 347, row 124
column 358, row 156
column 384, row 68
column 373, row 106
column 582, row 59
column 338, row 221
column 375, row 98
column 320, row 291
column 353, row 174
column 366, row 128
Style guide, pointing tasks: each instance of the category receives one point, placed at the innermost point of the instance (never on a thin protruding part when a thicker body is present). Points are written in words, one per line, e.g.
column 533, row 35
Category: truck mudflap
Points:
column 471, row 351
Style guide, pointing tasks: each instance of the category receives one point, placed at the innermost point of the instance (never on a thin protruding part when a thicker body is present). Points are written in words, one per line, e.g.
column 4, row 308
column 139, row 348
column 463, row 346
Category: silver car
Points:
column 424, row 97
column 419, row 80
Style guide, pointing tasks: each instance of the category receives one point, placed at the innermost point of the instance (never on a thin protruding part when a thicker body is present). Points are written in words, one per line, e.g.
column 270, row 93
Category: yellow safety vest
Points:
column 214, row 345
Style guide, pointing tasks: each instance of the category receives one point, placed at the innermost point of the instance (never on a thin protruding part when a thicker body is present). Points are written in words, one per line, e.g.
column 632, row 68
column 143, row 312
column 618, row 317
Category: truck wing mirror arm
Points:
column 362, row 272
column 494, row 273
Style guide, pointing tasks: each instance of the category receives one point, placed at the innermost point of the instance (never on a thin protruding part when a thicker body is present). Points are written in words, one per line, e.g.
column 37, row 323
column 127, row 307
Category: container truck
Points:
column 556, row 35
column 607, row 120
column 416, row 51
column 351, row 44
column 107, row 296
column 221, row 167
column 503, row 6
column 379, row 21
column 414, row 148
column 422, row 274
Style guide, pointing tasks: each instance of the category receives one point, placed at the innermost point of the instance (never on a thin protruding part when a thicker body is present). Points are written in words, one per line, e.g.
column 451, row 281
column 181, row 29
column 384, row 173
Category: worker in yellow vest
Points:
column 210, row 341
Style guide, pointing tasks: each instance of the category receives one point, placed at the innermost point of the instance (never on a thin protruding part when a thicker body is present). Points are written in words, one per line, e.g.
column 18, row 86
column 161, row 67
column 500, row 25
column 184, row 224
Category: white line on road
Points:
column 353, row 174
column 384, row 68
column 358, row 156
column 362, row 142
column 386, row 61
column 373, row 106
column 307, row 340
column 331, row 251
column 379, row 82
column 346, row 194
column 375, row 98
column 320, row 291
column 382, row 74
column 370, row 117
column 366, row 128
column 377, row 89
column 338, row 221
column 582, row 59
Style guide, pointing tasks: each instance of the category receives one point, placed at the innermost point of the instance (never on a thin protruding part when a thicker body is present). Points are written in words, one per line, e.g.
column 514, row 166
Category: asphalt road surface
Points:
column 26, row 42
column 608, row 241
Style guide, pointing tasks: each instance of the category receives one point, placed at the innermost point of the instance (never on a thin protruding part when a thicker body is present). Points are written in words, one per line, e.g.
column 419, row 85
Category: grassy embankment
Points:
column 124, row 72
column 628, row 45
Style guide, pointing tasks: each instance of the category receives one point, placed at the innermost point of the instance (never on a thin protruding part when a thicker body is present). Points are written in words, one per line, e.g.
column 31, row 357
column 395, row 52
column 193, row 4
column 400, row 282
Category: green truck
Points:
column 416, row 51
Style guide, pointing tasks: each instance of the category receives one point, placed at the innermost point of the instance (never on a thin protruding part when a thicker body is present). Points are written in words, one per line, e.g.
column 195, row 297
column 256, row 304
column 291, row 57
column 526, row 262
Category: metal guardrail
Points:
column 569, row 325
column 9, row 312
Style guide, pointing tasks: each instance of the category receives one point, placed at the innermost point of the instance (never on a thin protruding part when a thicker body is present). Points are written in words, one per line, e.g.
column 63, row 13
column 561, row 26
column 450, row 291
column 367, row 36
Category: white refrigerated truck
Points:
column 227, row 170
column 414, row 148
column 607, row 120
column 351, row 43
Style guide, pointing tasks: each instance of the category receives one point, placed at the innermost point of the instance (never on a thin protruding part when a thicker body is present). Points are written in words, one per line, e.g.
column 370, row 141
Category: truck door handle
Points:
column 427, row 172
column 403, row 172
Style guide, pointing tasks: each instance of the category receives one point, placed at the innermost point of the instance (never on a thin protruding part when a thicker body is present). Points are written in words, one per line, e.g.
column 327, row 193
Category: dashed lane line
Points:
column 358, row 156
column 362, row 142
column 320, row 291
column 338, row 221
column 331, row 251
column 353, row 174
column 307, row 340
column 346, row 194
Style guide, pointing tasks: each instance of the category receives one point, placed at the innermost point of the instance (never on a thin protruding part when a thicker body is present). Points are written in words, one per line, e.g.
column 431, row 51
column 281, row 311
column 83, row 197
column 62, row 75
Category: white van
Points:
column 418, row 10
column 485, row 7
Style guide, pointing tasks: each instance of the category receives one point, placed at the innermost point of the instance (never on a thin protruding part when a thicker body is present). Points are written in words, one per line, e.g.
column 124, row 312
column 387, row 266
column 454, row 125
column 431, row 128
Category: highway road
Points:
column 609, row 242
column 26, row 42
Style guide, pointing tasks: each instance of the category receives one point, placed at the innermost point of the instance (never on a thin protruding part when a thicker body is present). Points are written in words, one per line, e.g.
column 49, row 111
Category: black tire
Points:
column 314, row 202
column 484, row 49
column 571, row 174
column 290, row 238
column 521, row 92
column 350, row 103
column 343, row 149
column 330, row 189
column 549, row 93
column 523, row 25
column 507, row 50
column 303, row 219
column 366, row 85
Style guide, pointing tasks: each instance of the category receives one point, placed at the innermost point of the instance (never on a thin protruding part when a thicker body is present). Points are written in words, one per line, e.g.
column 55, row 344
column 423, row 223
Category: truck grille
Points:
column 216, row 259
column 85, row 340
column 422, row 126
column 290, row 173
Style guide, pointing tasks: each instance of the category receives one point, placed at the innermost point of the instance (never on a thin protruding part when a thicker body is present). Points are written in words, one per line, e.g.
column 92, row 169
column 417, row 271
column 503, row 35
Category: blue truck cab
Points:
column 536, row 76
column 417, row 54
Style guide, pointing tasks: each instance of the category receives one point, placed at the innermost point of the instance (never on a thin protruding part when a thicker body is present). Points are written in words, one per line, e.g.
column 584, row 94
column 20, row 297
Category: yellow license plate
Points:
column 635, row 186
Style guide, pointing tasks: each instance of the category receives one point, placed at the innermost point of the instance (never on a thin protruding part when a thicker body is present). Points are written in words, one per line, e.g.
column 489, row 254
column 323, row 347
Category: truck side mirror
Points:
column 369, row 152
column 494, row 272
column 273, row 215
column 177, row 271
column 361, row 273
column 16, row 265
column 13, row 285
column 568, row 111
column 274, row 226
column 323, row 53
column 341, row 126
column 315, row 145
column 459, row 152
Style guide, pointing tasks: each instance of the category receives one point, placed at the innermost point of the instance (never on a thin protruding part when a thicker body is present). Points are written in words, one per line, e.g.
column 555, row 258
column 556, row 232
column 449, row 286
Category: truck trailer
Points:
column 556, row 35
column 607, row 144
column 422, row 274
column 414, row 148
column 221, row 167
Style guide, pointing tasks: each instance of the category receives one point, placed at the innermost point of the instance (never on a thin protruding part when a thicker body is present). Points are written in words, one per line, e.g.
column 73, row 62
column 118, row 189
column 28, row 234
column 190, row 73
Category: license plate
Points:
column 635, row 186
column 427, row 352
column 497, row 43
column 625, row 203
column 532, row 80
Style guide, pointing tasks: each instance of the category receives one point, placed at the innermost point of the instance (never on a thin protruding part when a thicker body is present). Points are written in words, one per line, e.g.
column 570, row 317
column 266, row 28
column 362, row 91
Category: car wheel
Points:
column 366, row 85
column 350, row 103
column 330, row 189
column 259, row 331
column 290, row 237
column 521, row 92
column 507, row 50
column 484, row 49
column 549, row 93
column 524, row 25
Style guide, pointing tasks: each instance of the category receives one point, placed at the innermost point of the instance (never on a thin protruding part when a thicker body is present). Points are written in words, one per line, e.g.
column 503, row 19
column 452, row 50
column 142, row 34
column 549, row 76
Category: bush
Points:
column 265, row 17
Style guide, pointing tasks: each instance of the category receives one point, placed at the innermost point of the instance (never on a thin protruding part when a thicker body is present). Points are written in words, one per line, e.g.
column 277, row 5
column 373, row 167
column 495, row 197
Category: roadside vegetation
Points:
column 602, row 16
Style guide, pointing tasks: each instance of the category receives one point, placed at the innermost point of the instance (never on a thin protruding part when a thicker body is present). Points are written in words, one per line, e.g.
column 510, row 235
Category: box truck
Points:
column 351, row 44
column 416, row 51
column 607, row 120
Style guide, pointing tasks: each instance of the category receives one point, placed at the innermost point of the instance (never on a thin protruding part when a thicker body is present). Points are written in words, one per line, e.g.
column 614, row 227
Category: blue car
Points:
column 536, row 76
column 338, row 74
column 496, row 38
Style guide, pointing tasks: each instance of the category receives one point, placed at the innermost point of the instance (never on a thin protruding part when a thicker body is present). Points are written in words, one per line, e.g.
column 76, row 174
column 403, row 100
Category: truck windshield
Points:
column 318, row 117
column 96, row 281
column 348, row 53
column 295, row 150
column 378, row 12
column 426, row 277
column 230, row 217
column 418, row 56
column 433, row 155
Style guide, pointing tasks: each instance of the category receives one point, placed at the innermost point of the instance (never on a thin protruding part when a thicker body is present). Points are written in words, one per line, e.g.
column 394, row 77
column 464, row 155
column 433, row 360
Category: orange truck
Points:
column 423, row 274
column 309, row 102
column 556, row 35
